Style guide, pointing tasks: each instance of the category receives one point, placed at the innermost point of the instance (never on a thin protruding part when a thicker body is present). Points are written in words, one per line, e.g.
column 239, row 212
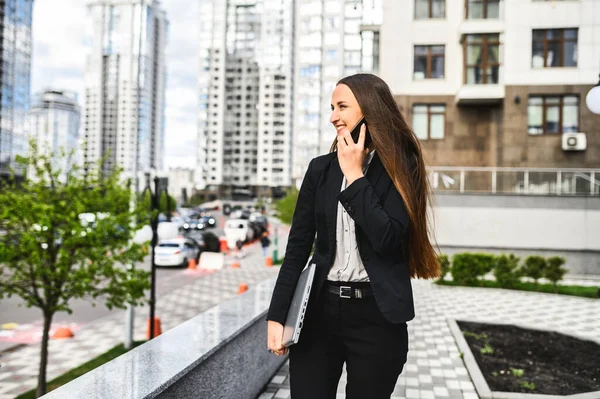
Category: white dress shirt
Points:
column 348, row 265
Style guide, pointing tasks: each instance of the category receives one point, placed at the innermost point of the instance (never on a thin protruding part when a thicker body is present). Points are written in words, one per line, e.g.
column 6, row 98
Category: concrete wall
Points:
column 526, row 225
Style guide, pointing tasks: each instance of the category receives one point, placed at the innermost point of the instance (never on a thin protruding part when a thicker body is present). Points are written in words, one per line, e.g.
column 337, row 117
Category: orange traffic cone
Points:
column 269, row 261
column 192, row 264
column 235, row 264
column 223, row 243
column 243, row 287
column 63, row 332
column 157, row 329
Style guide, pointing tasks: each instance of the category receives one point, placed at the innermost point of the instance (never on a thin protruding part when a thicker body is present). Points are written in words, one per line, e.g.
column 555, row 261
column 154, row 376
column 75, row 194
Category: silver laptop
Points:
column 295, row 317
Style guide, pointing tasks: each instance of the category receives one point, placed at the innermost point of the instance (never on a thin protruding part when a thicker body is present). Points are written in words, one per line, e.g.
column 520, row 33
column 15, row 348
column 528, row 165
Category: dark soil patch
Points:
column 551, row 363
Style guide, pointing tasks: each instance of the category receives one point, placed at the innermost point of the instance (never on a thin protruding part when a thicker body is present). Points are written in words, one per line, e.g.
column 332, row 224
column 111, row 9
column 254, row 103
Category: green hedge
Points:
column 470, row 269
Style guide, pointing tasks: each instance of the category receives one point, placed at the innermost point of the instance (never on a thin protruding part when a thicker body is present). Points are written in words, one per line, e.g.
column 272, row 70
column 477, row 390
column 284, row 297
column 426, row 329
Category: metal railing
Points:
column 521, row 181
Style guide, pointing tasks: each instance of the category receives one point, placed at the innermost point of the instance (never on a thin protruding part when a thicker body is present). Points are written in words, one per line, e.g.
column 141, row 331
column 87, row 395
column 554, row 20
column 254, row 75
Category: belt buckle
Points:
column 346, row 292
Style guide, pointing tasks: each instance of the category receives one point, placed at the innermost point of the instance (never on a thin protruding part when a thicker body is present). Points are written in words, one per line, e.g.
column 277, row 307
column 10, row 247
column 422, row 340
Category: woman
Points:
column 367, row 207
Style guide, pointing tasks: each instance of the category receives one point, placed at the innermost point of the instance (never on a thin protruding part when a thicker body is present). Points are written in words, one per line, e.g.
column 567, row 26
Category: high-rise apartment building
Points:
column 334, row 38
column 125, row 85
column 15, row 76
column 245, row 91
column 54, row 124
column 496, row 82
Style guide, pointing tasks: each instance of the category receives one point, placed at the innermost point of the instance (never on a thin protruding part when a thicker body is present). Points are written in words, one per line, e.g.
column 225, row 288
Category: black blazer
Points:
column 381, row 222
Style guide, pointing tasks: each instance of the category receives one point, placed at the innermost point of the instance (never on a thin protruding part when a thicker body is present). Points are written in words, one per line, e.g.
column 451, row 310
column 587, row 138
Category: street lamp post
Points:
column 160, row 185
column 592, row 99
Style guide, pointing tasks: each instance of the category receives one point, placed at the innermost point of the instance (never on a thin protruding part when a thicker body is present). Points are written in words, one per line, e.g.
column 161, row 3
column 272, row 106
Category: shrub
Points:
column 506, row 271
column 467, row 267
column 534, row 267
column 553, row 270
column 444, row 262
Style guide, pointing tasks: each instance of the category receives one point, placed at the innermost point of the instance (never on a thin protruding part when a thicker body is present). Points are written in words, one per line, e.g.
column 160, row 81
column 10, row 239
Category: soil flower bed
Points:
column 514, row 359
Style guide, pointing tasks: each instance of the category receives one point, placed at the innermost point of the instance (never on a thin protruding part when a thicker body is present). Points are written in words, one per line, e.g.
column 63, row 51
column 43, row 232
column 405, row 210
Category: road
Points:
column 12, row 310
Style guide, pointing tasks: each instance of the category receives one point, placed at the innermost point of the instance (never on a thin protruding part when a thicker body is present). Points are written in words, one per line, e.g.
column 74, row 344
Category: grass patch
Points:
column 574, row 290
column 81, row 370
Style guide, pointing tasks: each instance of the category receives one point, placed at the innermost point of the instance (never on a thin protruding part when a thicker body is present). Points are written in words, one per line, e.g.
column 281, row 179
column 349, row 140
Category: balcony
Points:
column 480, row 94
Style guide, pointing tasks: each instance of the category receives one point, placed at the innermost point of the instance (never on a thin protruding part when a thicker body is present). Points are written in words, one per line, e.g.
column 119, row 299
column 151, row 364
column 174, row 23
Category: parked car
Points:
column 208, row 221
column 176, row 252
column 192, row 225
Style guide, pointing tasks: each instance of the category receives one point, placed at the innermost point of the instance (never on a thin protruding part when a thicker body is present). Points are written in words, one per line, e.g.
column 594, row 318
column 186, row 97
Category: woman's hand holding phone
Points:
column 351, row 155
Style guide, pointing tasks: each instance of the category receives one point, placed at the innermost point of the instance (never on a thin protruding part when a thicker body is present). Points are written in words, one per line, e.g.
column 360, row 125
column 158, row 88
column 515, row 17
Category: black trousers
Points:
column 352, row 331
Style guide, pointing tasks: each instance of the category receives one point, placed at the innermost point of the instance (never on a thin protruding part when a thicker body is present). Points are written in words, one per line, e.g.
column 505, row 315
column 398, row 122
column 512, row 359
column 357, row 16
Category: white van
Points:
column 237, row 229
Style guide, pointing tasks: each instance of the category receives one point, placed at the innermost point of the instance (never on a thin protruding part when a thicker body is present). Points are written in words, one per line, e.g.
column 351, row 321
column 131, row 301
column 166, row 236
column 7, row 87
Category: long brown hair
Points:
column 400, row 153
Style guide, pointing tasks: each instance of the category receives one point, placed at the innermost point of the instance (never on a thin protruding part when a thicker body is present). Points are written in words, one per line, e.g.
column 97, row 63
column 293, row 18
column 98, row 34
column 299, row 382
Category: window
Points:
column 554, row 48
column 552, row 114
column 428, row 121
column 425, row 9
column 483, row 9
column 482, row 58
column 429, row 62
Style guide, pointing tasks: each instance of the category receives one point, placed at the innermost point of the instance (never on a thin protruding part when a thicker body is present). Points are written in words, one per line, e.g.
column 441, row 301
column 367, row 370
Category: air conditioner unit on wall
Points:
column 574, row 141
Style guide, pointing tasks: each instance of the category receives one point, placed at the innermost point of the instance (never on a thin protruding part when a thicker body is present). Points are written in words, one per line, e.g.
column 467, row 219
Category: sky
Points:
column 58, row 62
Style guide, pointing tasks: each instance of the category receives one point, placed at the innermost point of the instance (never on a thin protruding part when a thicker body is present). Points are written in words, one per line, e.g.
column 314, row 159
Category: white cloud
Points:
column 59, row 53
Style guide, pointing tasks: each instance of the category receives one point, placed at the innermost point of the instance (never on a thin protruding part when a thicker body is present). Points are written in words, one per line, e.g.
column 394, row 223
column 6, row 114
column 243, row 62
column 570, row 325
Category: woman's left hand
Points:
column 351, row 155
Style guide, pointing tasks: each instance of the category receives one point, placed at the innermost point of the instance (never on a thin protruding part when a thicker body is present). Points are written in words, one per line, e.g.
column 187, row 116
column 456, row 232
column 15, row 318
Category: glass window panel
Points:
column 420, row 50
column 553, row 100
column 570, row 100
column 420, row 70
column 492, row 75
column 535, row 116
column 333, row 7
column 570, row 33
column 437, row 126
column 421, row 9
column 419, row 122
column 332, row 38
column 538, row 34
column 437, row 108
column 437, row 67
column 474, row 38
column 493, row 52
column 352, row 42
column 552, row 56
column 473, row 75
column 537, row 60
column 493, row 9
column 475, row 9
column 552, row 119
column 474, row 53
column 570, row 118
column 552, row 33
column 352, row 26
column 570, row 54
column 437, row 50
column 438, row 8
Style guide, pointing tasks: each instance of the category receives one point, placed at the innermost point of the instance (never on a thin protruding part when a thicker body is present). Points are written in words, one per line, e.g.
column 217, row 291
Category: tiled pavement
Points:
column 19, row 367
column 434, row 368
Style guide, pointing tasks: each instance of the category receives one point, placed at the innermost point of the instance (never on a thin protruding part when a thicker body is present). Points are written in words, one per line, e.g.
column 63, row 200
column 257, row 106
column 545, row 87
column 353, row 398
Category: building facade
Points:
column 15, row 77
column 335, row 38
column 245, row 92
column 181, row 184
column 54, row 125
column 125, row 86
column 483, row 83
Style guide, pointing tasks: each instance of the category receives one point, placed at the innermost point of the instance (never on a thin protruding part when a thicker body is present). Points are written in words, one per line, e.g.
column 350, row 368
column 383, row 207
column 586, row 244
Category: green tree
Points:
column 471, row 268
column 534, row 268
column 164, row 205
column 286, row 206
column 49, row 255
column 553, row 271
column 506, row 270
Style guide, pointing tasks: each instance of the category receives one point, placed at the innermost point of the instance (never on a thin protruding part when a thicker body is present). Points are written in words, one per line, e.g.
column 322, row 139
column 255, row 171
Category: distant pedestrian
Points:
column 239, row 245
column 265, row 241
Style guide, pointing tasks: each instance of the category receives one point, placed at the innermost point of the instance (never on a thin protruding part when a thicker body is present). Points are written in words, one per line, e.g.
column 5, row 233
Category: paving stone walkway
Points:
column 434, row 368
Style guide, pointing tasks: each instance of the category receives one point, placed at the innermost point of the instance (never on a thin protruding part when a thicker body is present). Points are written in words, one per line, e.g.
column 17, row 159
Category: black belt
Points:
column 349, row 290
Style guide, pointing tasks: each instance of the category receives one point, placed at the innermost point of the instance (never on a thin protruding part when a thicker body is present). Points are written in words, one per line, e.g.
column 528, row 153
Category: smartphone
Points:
column 356, row 132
